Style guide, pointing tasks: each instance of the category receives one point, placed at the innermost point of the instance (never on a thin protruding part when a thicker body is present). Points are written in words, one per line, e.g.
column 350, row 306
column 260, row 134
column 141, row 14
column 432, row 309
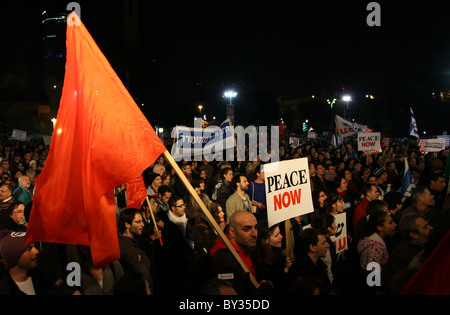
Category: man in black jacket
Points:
column 311, row 246
column 20, row 260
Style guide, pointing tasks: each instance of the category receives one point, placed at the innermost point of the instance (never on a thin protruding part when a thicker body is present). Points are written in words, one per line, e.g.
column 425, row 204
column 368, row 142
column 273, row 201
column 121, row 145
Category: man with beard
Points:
column 20, row 260
column 239, row 200
column 132, row 258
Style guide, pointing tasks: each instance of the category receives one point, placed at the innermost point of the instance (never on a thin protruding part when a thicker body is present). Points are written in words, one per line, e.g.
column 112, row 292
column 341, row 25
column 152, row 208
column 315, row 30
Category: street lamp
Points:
column 200, row 109
column 230, row 108
column 230, row 94
column 347, row 99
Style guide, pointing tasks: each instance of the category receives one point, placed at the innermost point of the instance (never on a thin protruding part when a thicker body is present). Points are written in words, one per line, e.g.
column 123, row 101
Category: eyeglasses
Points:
column 180, row 206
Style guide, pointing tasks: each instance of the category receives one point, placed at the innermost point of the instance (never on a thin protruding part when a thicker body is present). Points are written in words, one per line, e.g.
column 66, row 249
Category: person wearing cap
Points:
column 155, row 181
column 20, row 259
column 382, row 186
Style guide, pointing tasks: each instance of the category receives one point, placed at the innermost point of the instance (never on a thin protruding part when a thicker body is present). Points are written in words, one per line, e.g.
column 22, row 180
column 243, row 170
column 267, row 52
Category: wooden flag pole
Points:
column 208, row 215
column 153, row 218
column 287, row 228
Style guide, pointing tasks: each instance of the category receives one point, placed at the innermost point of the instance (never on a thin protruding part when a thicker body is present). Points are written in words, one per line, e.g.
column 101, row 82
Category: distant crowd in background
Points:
column 182, row 254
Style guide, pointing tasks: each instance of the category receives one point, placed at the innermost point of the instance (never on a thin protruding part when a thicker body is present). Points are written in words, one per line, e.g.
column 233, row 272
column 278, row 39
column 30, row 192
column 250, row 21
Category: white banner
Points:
column 199, row 142
column 19, row 135
column 369, row 143
column 347, row 128
column 340, row 239
column 288, row 190
column 431, row 145
column 294, row 142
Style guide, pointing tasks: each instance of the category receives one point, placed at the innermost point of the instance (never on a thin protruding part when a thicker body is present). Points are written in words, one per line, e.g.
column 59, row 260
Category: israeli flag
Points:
column 413, row 131
column 408, row 183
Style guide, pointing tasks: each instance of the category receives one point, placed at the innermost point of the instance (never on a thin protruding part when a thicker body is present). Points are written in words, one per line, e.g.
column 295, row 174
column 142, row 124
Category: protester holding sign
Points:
column 269, row 261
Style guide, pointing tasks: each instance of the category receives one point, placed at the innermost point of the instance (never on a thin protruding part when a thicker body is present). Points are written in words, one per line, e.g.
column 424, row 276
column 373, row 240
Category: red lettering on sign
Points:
column 285, row 199
column 368, row 144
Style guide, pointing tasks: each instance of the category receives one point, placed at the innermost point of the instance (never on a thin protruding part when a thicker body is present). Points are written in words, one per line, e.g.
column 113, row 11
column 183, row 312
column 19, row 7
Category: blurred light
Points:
column 59, row 131
column 230, row 94
column 160, row 130
column 347, row 98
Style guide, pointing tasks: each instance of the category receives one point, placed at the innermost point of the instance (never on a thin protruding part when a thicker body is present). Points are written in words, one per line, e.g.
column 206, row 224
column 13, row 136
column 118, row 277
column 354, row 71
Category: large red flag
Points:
column 101, row 140
column 433, row 277
column 136, row 193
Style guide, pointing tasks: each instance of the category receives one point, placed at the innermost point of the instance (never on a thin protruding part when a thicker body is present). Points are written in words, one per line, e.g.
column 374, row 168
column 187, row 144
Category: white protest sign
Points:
column 294, row 142
column 288, row 190
column 431, row 145
column 369, row 142
column 340, row 238
column 19, row 135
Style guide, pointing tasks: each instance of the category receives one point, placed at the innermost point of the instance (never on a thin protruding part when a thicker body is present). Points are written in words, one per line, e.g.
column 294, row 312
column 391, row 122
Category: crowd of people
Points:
column 169, row 246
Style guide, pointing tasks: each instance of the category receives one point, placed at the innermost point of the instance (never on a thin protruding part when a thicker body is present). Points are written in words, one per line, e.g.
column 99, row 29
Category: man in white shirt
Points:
column 20, row 259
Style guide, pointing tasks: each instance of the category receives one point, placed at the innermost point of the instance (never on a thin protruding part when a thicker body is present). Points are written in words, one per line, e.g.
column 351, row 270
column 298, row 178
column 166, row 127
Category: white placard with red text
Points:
column 288, row 190
column 369, row 142
column 340, row 239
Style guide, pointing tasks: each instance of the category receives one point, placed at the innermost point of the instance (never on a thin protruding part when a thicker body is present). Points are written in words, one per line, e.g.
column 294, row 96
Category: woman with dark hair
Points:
column 218, row 215
column 269, row 261
column 320, row 201
column 335, row 203
column 374, row 229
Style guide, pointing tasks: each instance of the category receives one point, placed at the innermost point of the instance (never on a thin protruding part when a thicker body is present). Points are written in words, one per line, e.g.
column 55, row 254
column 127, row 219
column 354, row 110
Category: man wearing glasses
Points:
column 13, row 218
column 174, row 257
column 132, row 258
column 6, row 197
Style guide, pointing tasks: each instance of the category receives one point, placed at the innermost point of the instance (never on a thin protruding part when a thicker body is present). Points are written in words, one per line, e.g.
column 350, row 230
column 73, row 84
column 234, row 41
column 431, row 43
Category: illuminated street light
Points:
column 230, row 108
column 230, row 95
column 346, row 98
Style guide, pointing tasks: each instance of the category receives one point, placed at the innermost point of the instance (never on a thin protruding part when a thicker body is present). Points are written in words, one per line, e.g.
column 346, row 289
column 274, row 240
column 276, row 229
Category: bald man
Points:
column 242, row 234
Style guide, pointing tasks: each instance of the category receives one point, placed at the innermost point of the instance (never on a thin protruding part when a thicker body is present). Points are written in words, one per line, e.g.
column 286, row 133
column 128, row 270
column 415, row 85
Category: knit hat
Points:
column 380, row 171
column 12, row 246
column 152, row 177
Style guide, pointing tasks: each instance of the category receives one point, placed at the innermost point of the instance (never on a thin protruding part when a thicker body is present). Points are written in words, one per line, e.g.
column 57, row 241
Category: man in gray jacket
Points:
column 239, row 200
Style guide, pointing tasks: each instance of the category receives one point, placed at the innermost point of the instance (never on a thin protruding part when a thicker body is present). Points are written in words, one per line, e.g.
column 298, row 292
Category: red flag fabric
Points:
column 136, row 193
column 433, row 277
column 101, row 140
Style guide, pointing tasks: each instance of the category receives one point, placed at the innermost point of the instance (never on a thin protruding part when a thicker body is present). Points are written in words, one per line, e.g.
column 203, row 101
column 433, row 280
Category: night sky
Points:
column 263, row 49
